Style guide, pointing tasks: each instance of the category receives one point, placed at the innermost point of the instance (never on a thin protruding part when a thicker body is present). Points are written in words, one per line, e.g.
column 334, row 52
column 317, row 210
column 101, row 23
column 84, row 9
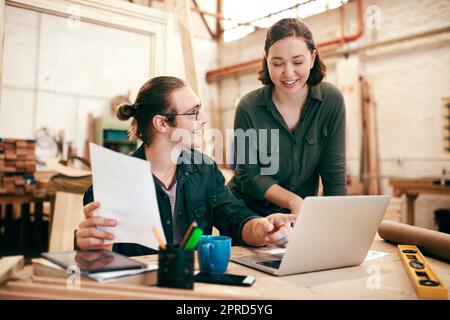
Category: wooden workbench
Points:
column 18, row 207
column 412, row 188
column 346, row 283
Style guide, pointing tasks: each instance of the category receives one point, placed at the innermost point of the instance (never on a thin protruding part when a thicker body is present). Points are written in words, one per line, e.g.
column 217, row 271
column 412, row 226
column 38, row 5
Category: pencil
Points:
column 193, row 239
column 188, row 234
column 161, row 244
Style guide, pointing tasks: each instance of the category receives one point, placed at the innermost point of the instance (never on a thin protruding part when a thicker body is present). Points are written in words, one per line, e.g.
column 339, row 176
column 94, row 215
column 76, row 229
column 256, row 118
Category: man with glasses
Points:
column 167, row 117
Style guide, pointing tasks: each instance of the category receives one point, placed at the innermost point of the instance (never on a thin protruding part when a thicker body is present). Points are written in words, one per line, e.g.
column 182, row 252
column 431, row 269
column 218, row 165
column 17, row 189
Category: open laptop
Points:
column 330, row 232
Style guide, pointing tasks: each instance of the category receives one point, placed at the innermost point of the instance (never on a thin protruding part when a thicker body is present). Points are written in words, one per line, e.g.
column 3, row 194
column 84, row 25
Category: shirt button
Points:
column 179, row 212
column 168, row 222
column 186, row 173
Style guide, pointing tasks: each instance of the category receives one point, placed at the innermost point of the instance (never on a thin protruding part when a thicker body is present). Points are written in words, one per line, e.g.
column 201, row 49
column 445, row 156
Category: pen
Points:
column 161, row 244
column 188, row 233
column 191, row 244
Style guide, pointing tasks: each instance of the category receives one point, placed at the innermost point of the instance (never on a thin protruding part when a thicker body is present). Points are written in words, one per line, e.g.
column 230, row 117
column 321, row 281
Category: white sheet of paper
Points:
column 113, row 275
column 371, row 255
column 125, row 189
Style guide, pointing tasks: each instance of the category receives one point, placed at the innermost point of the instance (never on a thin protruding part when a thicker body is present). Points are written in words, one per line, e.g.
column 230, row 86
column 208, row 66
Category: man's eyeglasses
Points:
column 193, row 113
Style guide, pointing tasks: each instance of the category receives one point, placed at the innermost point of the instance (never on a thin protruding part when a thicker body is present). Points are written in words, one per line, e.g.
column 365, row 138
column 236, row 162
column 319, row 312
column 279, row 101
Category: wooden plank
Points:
column 53, row 164
column 374, row 186
column 18, row 161
column 10, row 265
column 10, row 155
column 67, row 215
column 2, row 37
column 7, row 294
column 141, row 290
column 50, row 288
column 417, row 186
column 410, row 202
column 21, row 143
column 21, row 152
column 63, row 292
column 219, row 10
column 369, row 147
column 20, row 165
column 182, row 12
column 90, row 136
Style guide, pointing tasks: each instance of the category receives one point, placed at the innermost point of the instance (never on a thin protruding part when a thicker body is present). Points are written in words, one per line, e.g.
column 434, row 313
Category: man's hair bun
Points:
column 125, row 111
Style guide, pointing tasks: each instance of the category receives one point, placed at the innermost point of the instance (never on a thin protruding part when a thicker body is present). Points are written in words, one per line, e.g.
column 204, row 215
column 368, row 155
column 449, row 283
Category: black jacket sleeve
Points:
column 230, row 214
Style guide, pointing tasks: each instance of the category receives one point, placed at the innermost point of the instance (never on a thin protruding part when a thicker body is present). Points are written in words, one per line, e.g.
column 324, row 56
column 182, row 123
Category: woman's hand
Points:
column 88, row 236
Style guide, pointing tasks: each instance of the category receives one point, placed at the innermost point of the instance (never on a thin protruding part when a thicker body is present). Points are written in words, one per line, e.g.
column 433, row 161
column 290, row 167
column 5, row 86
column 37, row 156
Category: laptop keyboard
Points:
column 275, row 264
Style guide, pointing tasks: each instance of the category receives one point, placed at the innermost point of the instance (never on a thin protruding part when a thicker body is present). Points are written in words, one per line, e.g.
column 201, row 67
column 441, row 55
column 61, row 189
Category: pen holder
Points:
column 176, row 268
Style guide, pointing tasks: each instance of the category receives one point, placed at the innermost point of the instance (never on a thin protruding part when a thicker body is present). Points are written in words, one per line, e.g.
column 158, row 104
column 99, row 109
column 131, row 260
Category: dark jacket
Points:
column 201, row 196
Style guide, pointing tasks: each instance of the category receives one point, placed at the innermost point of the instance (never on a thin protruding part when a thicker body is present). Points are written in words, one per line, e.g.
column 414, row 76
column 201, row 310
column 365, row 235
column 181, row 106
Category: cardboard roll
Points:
column 433, row 242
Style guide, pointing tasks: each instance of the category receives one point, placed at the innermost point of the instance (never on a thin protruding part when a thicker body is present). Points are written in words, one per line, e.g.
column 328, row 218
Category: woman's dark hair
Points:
column 154, row 97
column 292, row 27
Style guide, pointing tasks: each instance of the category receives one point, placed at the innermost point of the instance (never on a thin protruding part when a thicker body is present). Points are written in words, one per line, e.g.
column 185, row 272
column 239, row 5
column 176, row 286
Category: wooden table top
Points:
column 416, row 186
column 344, row 283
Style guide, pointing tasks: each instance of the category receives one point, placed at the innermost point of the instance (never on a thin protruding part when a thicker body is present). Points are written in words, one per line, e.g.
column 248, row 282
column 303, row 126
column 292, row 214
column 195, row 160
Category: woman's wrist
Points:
column 294, row 204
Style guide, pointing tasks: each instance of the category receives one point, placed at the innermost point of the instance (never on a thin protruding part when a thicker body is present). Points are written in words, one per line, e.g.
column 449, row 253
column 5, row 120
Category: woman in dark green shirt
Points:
column 292, row 130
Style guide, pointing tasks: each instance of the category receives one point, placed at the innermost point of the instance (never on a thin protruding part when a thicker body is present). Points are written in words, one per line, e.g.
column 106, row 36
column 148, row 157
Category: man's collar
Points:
column 186, row 160
column 139, row 153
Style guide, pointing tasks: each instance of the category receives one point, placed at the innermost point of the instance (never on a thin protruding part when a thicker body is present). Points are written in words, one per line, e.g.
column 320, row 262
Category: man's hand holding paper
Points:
column 124, row 188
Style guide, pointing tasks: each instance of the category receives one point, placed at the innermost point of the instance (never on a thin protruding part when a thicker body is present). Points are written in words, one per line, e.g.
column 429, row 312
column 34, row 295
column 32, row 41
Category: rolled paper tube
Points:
column 433, row 242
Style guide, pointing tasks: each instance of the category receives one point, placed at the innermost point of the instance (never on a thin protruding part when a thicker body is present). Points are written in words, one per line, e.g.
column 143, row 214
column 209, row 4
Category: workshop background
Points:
column 65, row 66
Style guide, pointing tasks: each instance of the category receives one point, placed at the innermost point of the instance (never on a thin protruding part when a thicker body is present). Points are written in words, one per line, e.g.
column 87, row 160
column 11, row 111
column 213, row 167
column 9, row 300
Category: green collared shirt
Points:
column 315, row 148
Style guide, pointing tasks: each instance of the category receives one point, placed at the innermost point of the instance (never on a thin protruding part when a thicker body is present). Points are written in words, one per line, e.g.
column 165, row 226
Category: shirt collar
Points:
column 186, row 161
column 316, row 92
column 139, row 153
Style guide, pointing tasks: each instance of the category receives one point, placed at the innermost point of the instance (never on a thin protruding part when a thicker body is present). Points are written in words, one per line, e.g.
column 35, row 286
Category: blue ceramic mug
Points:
column 214, row 253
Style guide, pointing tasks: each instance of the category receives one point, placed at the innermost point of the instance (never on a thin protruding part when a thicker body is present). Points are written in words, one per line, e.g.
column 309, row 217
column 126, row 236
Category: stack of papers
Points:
column 102, row 277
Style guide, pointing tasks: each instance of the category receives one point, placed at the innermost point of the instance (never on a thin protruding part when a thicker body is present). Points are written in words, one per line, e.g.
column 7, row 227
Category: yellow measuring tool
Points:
column 424, row 280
